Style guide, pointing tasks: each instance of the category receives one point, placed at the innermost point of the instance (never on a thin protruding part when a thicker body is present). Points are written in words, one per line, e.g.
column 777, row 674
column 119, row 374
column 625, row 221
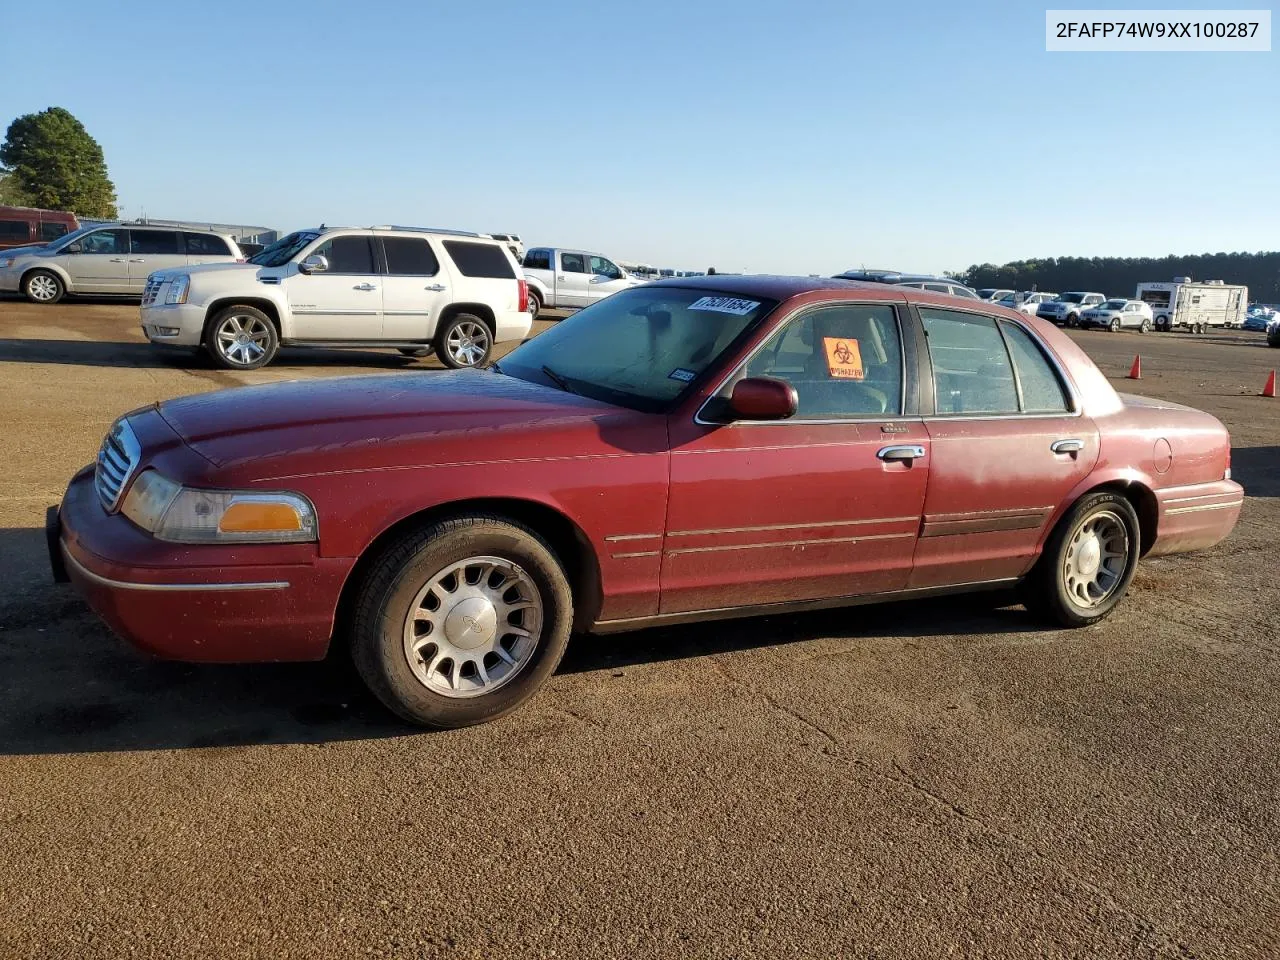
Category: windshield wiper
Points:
column 558, row 380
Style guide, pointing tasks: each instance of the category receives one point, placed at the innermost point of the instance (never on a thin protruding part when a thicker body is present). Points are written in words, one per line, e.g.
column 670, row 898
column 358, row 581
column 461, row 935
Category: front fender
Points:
column 49, row 267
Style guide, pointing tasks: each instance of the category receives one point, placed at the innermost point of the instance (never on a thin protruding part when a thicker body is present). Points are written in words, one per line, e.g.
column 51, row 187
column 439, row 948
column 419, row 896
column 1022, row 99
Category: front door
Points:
column 1008, row 445
column 415, row 289
column 344, row 302
column 606, row 279
column 824, row 505
column 572, row 279
column 151, row 250
column 102, row 263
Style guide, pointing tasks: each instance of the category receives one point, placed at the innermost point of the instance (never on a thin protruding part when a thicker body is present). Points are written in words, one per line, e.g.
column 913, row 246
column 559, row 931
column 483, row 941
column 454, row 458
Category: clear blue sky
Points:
column 792, row 137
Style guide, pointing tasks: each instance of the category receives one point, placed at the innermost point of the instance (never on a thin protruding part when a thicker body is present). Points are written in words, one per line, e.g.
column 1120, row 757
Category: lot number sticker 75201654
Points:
column 739, row 308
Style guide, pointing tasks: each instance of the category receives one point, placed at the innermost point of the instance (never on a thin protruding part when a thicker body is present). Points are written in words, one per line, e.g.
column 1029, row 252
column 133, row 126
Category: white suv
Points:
column 412, row 289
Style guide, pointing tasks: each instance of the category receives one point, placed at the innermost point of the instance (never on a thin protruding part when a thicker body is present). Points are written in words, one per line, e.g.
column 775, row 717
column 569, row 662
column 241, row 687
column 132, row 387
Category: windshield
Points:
column 1071, row 297
column 72, row 237
column 1008, row 298
column 640, row 348
column 1113, row 305
column 283, row 250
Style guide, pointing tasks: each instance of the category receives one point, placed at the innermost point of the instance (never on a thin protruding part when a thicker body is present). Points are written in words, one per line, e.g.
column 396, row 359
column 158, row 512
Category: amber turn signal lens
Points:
column 259, row 518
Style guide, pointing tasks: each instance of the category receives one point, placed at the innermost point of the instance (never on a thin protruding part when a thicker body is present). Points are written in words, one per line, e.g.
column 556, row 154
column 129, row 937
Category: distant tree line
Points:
column 1119, row 276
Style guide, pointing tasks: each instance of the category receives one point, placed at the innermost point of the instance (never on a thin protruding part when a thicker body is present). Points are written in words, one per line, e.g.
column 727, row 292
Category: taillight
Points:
column 522, row 297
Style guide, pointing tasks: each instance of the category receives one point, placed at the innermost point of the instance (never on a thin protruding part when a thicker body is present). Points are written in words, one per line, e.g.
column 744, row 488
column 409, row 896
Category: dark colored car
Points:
column 921, row 281
column 686, row 450
column 33, row 227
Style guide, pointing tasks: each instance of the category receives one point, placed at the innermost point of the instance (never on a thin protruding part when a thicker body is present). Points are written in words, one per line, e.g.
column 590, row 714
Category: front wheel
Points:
column 1088, row 562
column 43, row 286
column 463, row 340
column 461, row 621
column 1145, row 327
column 1115, row 324
column 241, row 338
column 1073, row 320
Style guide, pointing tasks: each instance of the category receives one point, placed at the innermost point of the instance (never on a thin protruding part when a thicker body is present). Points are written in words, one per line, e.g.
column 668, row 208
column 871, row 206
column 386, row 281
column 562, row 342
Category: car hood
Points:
column 387, row 421
column 197, row 269
column 24, row 251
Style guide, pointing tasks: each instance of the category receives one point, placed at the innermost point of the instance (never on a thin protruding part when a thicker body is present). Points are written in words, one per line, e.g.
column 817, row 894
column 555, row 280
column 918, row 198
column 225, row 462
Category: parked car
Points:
column 1258, row 318
column 1114, row 315
column 571, row 278
column 112, row 258
column 32, row 227
column 680, row 451
column 415, row 290
column 1065, row 311
column 993, row 294
column 514, row 244
column 919, row 281
column 1026, row 302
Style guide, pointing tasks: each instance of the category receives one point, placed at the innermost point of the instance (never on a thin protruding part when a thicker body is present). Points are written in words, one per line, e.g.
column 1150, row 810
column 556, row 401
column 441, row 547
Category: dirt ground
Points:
column 921, row 780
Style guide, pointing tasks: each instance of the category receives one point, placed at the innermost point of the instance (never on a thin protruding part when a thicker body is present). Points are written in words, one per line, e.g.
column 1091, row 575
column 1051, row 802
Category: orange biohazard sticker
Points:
column 844, row 359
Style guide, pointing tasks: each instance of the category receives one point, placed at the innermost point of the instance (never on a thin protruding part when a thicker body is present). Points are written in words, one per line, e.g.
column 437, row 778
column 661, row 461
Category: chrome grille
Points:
column 152, row 290
column 117, row 460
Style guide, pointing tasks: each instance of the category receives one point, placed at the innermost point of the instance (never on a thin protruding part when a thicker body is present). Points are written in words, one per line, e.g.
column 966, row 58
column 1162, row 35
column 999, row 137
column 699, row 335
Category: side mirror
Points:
column 73, row 247
column 316, row 263
column 763, row 398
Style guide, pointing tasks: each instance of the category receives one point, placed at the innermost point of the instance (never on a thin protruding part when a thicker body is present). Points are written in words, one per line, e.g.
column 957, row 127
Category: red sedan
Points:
column 685, row 450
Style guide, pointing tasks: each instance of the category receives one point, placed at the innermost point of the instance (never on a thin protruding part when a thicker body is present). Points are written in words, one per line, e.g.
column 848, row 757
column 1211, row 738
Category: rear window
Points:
column 410, row 256
column 153, row 242
column 52, row 231
column 538, row 260
column 206, row 245
column 11, row 230
column 480, row 259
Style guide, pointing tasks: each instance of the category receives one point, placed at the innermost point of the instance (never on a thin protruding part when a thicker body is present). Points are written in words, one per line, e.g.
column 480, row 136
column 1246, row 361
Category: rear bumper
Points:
column 1196, row 517
column 194, row 603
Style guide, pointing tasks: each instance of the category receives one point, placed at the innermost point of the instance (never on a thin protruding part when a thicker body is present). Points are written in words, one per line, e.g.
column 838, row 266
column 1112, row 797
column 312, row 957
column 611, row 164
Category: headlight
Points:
column 170, row 511
column 178, row 287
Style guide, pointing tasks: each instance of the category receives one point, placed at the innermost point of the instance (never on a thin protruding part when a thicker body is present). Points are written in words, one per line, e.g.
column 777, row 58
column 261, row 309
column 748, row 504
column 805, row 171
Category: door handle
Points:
column 436, row 288
column 137, row 260
column 562, row 278
column 892, row 454
column 364, row 286
column 1067, row 446
column 118, row 260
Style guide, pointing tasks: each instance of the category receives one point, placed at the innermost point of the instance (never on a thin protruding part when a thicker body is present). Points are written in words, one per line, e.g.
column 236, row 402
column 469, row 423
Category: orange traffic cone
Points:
column 1270, row 389
column 1135, row 372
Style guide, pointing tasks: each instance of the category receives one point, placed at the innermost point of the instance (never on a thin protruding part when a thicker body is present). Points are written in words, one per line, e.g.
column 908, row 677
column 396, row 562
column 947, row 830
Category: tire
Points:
column 43, row 286
column 1055, row 587
column 1072, row 320
column 415, row 352
column 430, row 684
column 1145, row 326
column 241, row 338
column 1115, row 324
column 535, row 306
column 464, row 340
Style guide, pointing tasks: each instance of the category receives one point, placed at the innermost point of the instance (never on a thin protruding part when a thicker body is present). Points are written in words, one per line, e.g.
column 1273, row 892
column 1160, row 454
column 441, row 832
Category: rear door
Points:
column 345, row 301
column 205, row 248
column 824, row 505
column 572, row 279
column 1008, row 444
column 151, row 250
column 415, row 288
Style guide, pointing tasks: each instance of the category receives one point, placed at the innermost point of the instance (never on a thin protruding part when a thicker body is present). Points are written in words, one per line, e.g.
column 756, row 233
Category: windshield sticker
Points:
column 739, row 308
column 844, row 358
column 681, row 374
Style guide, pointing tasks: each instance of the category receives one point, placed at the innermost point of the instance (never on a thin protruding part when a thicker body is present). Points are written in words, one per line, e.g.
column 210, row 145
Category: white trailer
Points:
column 1196, row 306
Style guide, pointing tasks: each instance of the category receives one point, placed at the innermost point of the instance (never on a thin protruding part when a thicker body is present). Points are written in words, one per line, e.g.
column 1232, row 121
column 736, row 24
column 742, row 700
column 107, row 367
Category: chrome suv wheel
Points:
column 242, row 338
column 461, row 621
column 464, row 340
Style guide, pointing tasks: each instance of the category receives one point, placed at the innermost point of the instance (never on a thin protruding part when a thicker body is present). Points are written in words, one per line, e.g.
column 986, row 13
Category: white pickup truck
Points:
column 571, row 279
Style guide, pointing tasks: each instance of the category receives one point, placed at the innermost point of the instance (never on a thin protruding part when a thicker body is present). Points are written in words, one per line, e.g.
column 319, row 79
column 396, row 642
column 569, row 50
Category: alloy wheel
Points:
column 43, row 288
column 242, row 339
column 468, row 343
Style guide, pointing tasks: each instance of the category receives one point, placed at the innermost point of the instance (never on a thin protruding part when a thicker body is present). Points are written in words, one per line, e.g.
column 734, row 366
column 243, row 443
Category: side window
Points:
column 1042, row 391
column 14, row 231
column 347, row 254
column 205, row 245
column 480, row 259
column 963, row 292
column 52, row 231
column 601, row 267
column 971, row 370
column 937, row 287
column 538, row 260
column 844, row 361
column 105, row 241
column 153, row 242
column 573, row 263
column 410, row 257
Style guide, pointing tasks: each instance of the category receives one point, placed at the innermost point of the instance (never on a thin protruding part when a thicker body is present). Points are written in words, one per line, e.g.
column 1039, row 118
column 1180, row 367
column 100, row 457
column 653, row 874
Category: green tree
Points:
column 10, row 193
column 54, row 163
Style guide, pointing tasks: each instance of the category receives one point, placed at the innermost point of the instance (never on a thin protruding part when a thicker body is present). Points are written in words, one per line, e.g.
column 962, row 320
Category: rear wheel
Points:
column 1087, row 563
column 535, row 306
column 461, row 621
column 1145, row 327
column 43, row 286
column 464, row 340
column 1115, row 324
column 1073, row 320
column 241, row 338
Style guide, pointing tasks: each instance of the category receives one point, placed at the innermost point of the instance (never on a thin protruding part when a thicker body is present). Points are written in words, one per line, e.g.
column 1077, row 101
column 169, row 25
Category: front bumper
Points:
column 215, row 604
column 180, row 324
column 10, row 279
